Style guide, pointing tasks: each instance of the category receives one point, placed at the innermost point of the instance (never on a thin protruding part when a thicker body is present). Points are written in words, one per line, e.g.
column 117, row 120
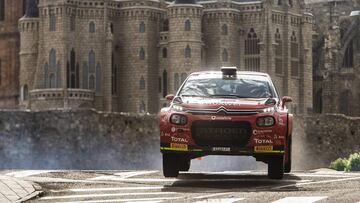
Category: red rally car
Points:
column 226, row 112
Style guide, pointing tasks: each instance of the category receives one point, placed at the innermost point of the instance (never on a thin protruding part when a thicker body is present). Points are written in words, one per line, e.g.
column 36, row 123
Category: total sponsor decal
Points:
column 179, row 139
column 263, row 141
column 261, row 132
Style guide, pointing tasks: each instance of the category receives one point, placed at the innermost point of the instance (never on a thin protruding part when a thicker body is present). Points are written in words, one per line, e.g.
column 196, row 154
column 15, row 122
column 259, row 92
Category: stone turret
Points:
column 185, row 41
column 29, row 35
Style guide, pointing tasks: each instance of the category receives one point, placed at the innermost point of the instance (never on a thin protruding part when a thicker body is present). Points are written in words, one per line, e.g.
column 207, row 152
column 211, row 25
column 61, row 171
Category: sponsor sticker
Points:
column 180, row 147
column 221, row 149
column 263, row 141
column 263, row 148
column 261, row 132
column 220, row 118
column 179, row 139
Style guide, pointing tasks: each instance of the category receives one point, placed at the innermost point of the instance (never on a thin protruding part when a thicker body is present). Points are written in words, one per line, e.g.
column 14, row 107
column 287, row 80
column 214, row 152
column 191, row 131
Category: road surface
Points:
column 321, row 185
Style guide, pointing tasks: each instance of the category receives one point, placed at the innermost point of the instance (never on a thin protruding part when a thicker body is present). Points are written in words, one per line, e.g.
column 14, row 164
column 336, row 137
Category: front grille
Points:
column 234, row 112
column 221, row 133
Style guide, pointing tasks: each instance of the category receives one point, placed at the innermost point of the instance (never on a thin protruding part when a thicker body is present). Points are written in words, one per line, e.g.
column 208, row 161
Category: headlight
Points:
column 267, row 110
column 177, row 108
column 178, row 119
column 265, row 121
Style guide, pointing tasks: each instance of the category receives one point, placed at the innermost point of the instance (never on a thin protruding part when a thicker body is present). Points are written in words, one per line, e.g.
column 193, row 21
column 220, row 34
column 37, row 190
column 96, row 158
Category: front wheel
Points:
column 185, row 163
column 170, row 165
column 276, row 167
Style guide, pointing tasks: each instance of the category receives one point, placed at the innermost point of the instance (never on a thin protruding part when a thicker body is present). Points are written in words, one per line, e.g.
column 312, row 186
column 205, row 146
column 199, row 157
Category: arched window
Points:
column 142, row 107
column 85, row 76
column 113, row 76
column 183, row 77
column 52, row 59
column 348, row 61
column 98, row 79
column 142, row 83
column 164, row 52
column 224, row 55
column 279, row 2
column 165, row 25
column 51, row 71
column 187, row 25
column 278, row 53
column 91, row 71
column 2, row 10
column 92, row 82
column 187, row 52
column 25, row 92
column 176, row 82
column 142, row 54
column 52, row 23
column 52, row 81
column 73, row 72
column 165, row 83
column 46, row 75
column 224, row 29
column 252, row 51
column 142, row 27
column 92, row 27
column 92, row 61
column 294, row 53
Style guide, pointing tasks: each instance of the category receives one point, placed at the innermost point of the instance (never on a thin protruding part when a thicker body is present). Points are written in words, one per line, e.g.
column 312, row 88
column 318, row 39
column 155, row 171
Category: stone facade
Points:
column 130, row 54
column 336, row 53
column 10, row 12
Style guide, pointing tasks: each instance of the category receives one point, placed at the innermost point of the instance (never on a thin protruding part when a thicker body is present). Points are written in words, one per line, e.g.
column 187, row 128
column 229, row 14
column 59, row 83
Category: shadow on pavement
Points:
column 197, row 182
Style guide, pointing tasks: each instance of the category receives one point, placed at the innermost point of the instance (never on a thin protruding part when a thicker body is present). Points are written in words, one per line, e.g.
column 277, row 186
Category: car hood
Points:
column 215, row 103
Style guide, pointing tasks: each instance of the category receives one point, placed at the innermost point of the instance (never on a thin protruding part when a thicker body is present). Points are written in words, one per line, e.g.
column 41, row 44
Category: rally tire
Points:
column 184, row 164
column 170, row 165
column 287, row 167
column 276, row 167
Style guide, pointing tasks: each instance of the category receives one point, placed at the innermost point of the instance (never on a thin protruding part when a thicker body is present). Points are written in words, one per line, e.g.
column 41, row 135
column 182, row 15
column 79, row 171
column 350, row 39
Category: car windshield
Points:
column 215, row 85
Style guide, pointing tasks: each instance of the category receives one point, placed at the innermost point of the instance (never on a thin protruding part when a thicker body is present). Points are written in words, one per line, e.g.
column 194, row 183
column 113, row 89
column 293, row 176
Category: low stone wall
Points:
column 81, row 139
column 320, row 139
column 86, row 139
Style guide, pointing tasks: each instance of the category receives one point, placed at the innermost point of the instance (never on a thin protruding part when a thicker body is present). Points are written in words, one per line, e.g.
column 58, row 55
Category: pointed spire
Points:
column 32, row 9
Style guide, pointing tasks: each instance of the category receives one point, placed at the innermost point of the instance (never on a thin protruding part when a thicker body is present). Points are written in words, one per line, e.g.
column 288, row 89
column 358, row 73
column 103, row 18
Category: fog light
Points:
column 265, row 121
column 178, row 119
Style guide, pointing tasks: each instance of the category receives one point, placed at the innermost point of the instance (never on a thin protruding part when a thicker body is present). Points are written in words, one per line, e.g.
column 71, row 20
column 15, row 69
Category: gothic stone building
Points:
column 337, row 57
column 126, row 55
column 10, row 13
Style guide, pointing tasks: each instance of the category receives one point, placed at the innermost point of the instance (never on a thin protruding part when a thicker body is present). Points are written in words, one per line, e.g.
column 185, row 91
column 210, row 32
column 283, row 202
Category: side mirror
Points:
column 285, row 100
column 169, row 97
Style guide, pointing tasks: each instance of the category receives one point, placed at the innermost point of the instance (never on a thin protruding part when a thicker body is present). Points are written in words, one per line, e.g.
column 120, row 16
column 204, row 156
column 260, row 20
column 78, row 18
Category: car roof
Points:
column 237, row 72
